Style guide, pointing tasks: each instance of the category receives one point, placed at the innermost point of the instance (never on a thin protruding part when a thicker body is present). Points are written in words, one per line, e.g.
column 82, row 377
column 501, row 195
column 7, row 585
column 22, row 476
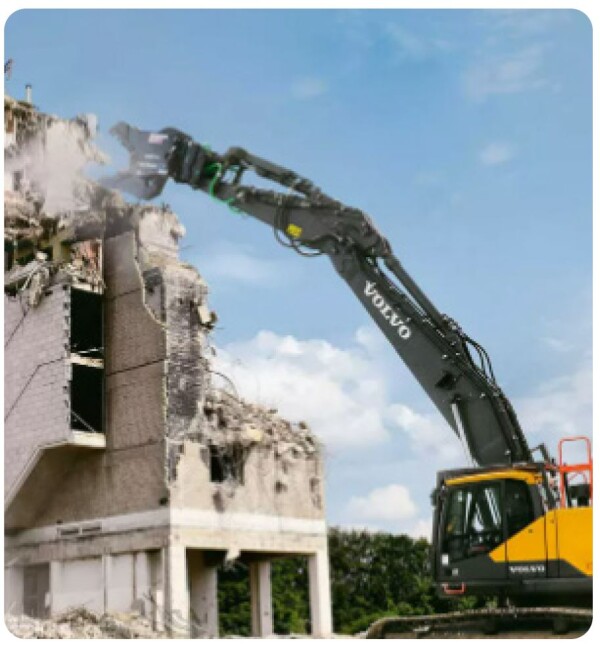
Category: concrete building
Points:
column 130, row 475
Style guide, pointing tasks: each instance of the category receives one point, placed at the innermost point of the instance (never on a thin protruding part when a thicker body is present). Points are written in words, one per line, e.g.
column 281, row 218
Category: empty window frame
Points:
column 227, row 463
column 87, row 398
column 87, row 329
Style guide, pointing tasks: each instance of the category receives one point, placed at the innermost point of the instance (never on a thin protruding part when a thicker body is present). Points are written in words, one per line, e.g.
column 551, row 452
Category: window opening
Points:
column 227, row 463
column 519, row 508
column 86, row 324
column 87, row 398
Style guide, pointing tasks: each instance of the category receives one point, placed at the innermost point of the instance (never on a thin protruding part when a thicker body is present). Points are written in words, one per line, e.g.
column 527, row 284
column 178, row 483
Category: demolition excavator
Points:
column 515, row 523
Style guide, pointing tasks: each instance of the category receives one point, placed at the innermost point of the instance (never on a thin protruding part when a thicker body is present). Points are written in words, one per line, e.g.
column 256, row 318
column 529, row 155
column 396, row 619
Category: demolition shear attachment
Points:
column 150, row 153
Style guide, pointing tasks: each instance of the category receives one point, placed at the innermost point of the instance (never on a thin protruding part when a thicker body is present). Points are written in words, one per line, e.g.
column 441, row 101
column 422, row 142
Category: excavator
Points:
column 515, row 523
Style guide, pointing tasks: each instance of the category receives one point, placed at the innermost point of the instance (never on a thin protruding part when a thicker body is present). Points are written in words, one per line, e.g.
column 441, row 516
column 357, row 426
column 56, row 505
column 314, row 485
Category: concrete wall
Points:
column 187, row 368
column 77, row 583
column 301, row 498
column 130, row 475
column 120, row 583
column 36, row 376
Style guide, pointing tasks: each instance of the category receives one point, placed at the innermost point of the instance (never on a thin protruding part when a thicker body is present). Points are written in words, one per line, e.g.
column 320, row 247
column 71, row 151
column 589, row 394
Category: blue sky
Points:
column 466, row 135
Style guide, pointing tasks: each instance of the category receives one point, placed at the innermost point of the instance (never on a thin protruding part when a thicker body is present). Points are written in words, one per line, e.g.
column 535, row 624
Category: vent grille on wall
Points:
column 80, row 530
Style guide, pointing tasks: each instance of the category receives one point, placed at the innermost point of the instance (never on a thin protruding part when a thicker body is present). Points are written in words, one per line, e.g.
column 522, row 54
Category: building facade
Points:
column 131, row 472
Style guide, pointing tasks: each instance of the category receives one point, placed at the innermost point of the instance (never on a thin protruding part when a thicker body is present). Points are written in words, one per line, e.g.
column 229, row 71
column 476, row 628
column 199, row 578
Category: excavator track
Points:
column 513, row 622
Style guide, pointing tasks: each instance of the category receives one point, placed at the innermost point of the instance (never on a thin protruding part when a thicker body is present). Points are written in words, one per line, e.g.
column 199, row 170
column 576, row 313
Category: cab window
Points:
column 473, row 522
column 519, row 508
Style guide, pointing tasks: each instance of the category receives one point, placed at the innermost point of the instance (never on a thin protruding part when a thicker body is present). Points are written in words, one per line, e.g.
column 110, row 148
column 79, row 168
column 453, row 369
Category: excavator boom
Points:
column 434, row 348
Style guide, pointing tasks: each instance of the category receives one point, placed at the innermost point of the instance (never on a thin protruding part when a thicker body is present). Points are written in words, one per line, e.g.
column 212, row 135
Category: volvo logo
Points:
column 387, row 311
column 524, row 569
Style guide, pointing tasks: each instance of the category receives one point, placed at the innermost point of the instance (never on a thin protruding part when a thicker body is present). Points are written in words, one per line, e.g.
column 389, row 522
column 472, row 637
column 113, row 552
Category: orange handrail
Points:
column 581, row 468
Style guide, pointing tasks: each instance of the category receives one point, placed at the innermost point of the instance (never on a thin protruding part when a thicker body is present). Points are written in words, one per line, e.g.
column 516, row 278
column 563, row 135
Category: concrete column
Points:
column 261, row 599
column 106, row 580
column 142, row 583
column 320, row 594
column 204, row 607
column 55, row 587
column 158, row 576
column 177, row 609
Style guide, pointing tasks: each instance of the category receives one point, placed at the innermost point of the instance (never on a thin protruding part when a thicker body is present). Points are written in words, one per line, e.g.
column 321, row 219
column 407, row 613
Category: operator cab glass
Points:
column 481, row 516
column 473, row 521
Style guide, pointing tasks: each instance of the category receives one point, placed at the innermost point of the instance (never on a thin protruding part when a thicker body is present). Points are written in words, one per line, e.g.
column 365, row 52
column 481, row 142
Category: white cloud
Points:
column 526, row 23
column 519, row 71
column 429, row 434
column 239, row 264
column 309, row 87
column 408, row 46
column 341, row 393
column 560, row 407
column 495, row 153
column 422, row 528
column 390, row 503
column 557, row 344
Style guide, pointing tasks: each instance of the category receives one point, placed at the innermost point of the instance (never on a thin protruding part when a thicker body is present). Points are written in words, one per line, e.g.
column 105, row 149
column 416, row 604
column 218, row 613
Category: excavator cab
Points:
column 477, row 512
column 521, row 531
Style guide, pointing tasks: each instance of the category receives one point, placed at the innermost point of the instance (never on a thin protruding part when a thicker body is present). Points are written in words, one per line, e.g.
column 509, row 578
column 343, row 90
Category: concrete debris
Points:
column 35, row 277
column 82, row 623
column 208, row 318
column 230, row 420
column 46, row 190
column 45, row 157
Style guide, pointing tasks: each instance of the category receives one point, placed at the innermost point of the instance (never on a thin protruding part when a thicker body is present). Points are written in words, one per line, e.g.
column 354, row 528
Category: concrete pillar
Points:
column 106, row 579
column 177, row 609
column 260, row 596
column 55, row 587
column 320, row 594
column 204, row 607
column 142, row 583
column 158, row 577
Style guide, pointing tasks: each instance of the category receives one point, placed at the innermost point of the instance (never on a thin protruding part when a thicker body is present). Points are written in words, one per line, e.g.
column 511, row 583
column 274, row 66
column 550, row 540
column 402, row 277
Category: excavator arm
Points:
column 434, row 348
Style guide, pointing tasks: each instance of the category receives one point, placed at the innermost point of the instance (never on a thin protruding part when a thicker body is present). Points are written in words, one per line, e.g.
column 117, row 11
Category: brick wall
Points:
column 129, row 475
column 36, row 377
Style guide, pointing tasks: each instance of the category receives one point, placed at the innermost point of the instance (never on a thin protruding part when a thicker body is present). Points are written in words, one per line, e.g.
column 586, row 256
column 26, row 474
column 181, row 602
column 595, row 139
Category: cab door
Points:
column 472, row 526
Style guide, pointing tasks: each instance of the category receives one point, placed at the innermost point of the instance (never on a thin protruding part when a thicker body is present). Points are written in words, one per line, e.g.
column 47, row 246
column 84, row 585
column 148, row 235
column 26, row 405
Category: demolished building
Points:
column 131, row 472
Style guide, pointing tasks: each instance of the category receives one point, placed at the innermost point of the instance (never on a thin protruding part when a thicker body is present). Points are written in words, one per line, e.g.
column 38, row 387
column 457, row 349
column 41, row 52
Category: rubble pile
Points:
column 231, row 420
column 82, row 623
column 33, row 278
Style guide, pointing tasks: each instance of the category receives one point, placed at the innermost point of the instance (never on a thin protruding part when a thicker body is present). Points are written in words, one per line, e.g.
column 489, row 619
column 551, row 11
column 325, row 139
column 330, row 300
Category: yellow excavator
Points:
column 512, row 525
